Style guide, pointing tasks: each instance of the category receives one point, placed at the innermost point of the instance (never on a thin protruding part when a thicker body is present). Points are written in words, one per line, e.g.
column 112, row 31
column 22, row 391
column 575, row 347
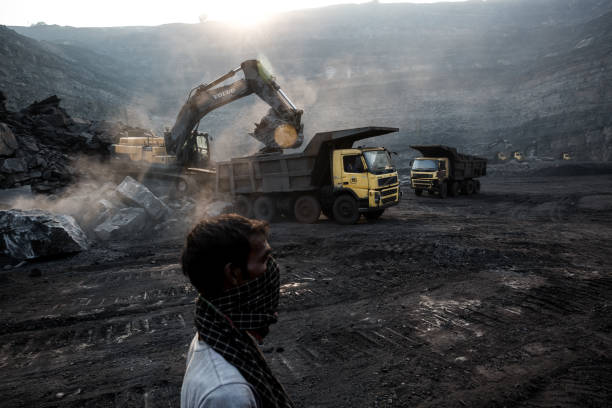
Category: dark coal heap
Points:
column 39, row 144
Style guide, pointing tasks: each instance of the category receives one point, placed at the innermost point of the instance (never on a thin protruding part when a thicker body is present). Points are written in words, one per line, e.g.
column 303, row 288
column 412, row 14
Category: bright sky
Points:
column 107, row 13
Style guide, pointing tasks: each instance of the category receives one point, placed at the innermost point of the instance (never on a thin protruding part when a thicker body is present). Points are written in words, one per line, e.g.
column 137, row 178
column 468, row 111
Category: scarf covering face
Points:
column 222, row 323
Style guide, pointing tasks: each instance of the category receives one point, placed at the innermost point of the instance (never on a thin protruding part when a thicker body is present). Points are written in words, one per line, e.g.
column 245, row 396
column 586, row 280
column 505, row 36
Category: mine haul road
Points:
column 498, row 299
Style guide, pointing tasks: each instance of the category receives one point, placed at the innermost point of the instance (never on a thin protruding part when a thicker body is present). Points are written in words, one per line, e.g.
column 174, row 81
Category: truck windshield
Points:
column 425, row 165
column 378, row 161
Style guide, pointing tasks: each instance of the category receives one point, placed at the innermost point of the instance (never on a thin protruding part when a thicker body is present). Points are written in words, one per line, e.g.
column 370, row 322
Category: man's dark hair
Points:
column 215, row 242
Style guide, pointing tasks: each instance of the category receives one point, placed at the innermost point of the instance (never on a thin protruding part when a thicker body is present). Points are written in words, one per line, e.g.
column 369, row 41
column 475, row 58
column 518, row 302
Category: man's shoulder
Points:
column 210, row 379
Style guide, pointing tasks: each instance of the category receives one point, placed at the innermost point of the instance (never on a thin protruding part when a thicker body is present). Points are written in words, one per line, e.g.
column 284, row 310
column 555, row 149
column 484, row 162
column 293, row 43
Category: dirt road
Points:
column 498, row 299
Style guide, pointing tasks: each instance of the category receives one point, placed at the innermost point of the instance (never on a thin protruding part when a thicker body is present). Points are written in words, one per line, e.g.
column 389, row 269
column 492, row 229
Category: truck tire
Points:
column 476, row 186
column 264, row 208
column 243, row 206
column 469, row 187
column 307, row 209
column 443, row 189
column 346, row 210
column 455, row 189
column 373, row 215
column 418, row 192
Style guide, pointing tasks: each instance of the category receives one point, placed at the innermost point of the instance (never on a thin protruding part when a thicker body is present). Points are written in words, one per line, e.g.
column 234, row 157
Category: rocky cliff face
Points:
column 485, row 76
column 31, row 70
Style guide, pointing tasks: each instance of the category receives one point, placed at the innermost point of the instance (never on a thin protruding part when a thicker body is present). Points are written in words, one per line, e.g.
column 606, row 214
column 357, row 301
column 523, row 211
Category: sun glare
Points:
column 239, row 13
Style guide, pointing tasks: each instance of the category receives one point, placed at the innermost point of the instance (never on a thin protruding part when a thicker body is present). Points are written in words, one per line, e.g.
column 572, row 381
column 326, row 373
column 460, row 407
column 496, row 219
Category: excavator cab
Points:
column 203, row 149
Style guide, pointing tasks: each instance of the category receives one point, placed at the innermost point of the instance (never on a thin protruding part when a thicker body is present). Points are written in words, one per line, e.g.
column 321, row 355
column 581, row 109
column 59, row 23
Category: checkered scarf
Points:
column 222, row 323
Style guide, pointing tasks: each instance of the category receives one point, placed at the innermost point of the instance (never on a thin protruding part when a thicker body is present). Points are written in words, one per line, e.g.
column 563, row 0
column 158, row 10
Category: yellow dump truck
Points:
column 443, row 171
column 329, row 176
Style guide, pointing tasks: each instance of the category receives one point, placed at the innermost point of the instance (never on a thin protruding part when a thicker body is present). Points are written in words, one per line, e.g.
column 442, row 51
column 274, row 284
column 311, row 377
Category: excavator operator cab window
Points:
column 353, row 164
column 202, row 142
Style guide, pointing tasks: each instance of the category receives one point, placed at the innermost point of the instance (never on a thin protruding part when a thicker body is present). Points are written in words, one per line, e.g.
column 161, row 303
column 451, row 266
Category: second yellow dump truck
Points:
column 443, row 171
column 329, row 176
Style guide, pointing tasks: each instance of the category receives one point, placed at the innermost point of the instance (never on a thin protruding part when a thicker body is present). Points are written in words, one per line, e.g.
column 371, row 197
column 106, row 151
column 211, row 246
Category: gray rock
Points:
column 8, row 143
column 137, row 194
column 14, row 165
column 36, row 233
column 125, row 223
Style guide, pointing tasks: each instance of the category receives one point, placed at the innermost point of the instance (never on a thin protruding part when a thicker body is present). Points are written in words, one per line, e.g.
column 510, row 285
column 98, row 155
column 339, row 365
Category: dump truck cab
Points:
column 429, row 173
column 368, row 175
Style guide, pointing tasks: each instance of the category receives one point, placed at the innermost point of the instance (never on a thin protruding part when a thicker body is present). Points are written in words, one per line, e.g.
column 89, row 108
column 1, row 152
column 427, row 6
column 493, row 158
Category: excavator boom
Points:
column 281, row 128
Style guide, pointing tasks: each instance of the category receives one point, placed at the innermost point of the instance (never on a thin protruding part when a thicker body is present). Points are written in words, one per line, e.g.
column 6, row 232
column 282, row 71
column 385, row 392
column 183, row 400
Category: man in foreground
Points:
column 228, row 260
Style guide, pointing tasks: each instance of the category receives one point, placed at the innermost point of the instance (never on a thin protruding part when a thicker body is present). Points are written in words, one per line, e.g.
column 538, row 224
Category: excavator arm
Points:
column 281, row 128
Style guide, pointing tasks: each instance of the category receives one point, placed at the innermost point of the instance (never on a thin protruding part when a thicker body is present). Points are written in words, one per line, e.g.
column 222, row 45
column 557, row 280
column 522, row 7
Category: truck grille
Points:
column 388, row 192
column 421, row 176
column 387, row 181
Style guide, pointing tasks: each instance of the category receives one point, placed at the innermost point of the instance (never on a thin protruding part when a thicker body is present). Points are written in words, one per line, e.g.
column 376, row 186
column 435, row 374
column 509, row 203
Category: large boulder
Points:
column 8, row 143
column 125, row 223
column 137, row 194
column 36, row 233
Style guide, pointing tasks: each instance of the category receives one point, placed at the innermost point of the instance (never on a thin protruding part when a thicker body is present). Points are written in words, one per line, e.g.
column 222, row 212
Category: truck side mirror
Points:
column 411, row 163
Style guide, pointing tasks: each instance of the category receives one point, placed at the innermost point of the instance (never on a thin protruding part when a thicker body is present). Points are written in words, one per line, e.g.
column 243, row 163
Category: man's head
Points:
column 225, row 252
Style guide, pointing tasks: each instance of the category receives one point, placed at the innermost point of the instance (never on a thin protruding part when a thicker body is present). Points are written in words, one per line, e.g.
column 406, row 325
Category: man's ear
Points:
column 232, row 276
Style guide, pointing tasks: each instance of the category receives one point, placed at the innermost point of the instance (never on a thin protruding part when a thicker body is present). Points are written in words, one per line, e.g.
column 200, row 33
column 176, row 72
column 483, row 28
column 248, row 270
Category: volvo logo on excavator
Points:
column 224, row 93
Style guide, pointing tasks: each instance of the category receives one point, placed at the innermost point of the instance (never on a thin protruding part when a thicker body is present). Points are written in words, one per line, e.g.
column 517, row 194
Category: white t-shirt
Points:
column 211, row 382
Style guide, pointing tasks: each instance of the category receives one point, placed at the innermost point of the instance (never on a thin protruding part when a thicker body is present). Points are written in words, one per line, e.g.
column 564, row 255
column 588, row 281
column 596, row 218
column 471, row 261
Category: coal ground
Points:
column 492, row 300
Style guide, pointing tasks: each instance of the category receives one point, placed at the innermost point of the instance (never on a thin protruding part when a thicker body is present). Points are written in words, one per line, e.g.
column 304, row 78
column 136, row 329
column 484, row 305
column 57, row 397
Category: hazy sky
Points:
column 106, row 13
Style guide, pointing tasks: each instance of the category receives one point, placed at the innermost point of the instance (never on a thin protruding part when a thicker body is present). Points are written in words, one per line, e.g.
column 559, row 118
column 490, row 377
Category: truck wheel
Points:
column 264, row 208
column 346, row 210
column 307, row 209
column 443, row 190
column 455, row 189
column 469, row 187
column 476, row 186
column 418, row 192
column 243, row 206
column 373, row 215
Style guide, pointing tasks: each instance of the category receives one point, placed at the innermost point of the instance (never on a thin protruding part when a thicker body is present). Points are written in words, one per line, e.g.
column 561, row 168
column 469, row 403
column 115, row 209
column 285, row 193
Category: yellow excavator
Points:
column 182, row 155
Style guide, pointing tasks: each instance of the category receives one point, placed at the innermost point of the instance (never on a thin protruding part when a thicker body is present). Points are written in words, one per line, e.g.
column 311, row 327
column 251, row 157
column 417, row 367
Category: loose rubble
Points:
column 39, row 145
column 36, row 233
column 126, row 222
column 135, row 193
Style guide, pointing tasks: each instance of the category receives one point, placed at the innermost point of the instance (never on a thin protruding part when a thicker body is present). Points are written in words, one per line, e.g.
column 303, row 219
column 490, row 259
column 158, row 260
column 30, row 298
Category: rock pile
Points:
column 39, row 144
column 95, row 213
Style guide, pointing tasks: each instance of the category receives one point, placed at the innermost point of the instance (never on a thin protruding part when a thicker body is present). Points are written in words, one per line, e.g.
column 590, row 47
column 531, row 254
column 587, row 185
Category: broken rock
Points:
column 137, row 194
column 8, row 143
column 36, row 233
column 126, row 222
column 14, row 165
